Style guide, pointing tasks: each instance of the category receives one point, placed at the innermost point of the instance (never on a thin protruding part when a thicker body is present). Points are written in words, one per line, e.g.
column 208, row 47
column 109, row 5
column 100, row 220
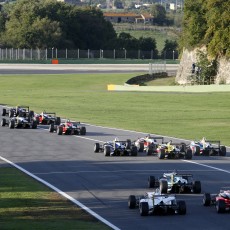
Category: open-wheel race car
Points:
column 148, row 144
column 47, row 118
column 153, row 203
column 172, row 150
column 19, row 122
column 20, row 111
column 207, row 148
column 221, row 200
column 68, row 128
column 175, row 183
column 116, row 148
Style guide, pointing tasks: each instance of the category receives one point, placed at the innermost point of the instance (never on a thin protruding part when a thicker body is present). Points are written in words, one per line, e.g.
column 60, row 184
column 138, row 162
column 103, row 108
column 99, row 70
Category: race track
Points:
column 103, row 184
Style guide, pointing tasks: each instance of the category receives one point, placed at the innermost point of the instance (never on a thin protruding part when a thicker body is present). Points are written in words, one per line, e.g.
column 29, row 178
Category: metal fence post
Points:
column 31, row 54
column 88, row 53
column 78, row 53
column 114, row 54
column 66, row 54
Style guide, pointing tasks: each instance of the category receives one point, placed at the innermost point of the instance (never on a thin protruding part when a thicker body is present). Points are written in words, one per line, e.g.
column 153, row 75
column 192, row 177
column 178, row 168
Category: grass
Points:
column 85, row 97
column 26, row 204
column 160, row 34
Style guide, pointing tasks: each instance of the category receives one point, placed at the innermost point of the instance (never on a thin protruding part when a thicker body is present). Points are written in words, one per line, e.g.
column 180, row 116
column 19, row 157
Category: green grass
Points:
column 85, row 97
column 162, row 81
column 26, row 204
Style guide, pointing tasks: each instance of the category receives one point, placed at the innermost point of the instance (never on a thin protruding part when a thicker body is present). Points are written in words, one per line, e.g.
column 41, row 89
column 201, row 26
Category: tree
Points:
column 159, row 14
column 170, row 48
column 48, row 23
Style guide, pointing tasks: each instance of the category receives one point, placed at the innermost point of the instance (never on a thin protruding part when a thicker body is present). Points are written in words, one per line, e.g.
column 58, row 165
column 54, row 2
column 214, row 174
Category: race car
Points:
column 21, row 111
column 46, row 118
column 221, row 200
column 19, row 122
column 207, row 148
column 68, row 128
column 172, row 150
column 153, row 203
column 116, row 148
column 148, row 144
column 174, row 182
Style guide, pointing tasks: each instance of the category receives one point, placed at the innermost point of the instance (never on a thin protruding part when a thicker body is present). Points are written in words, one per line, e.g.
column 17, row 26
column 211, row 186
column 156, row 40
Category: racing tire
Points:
column 183, row 147
column 134, row 151
column 197, row 187
column 149, row 150
column 11, row 124
column 144, row 208
column 151, row 182
column 220, row 206
column 207, row 199
column 59, row 130
column 141, row 149
column 132, row 202
column 107, row 151
column 222, row 151
column 51, row 128
column 181, row 207
column 163, row 186
column 11, row 113
column 31, row 113
column 188, row 154
column 3, row 122
column 96, row 147
column 197, row 151
column 161, row 154
column 128, row 144
column 3, row 112
column 82, row 130
column 58, row 121
column 34, row 125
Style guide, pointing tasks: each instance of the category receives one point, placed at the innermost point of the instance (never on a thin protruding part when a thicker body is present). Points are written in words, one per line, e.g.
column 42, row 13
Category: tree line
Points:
column 207, row 23
column 49, row 23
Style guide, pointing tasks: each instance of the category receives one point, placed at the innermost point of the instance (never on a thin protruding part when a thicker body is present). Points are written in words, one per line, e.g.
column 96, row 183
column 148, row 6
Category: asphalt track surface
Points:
column 103, row 184
column 81, row 68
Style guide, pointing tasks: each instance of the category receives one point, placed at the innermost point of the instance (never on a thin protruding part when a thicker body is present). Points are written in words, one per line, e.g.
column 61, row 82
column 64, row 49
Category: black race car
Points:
column 175, row 183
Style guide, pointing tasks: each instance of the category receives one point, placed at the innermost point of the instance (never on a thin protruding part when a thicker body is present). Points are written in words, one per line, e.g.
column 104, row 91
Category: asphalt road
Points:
column 104, row 183
column 82, row 68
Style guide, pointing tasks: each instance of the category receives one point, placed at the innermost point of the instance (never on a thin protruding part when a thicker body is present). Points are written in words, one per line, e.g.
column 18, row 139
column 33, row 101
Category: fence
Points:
column 46, row 54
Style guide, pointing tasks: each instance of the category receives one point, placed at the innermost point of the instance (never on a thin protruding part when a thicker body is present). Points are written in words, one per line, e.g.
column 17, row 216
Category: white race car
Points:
column 148, row 144
column 157, row 203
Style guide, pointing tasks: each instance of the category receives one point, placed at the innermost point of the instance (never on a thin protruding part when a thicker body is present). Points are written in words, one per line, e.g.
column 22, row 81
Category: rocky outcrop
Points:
column 184, row 72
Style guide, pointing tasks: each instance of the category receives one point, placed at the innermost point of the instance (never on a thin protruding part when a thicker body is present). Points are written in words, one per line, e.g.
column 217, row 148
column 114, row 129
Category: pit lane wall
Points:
column 181, row 88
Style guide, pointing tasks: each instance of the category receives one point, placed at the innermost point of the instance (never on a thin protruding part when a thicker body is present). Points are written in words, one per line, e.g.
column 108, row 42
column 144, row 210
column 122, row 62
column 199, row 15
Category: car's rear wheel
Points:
column 58, row 121
column 59, row 130
column 51, row 128
column 163, row 186
column 207, row 199
column 161, row 154
column 197, row 151
column 107, row 151
column 188, row 154
column 34, row 124
column 11, row 124
column 141, row 149
column 132, row 202
column 220, row 206
column 3, row 112
column 222, row 151
column 144, row 208
column 128, row 144
column 3, row 122
column 83, row 130
column 96, row 147
column 134, row 151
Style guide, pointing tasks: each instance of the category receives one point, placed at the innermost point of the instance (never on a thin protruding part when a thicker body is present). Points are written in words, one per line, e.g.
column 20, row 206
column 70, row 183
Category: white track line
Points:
column 62, row 194
column 208, row 166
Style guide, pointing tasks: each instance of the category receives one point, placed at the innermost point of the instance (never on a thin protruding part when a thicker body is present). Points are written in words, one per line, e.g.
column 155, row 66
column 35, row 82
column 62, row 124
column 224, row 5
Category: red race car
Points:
column 68, row 128
column 221, row 200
